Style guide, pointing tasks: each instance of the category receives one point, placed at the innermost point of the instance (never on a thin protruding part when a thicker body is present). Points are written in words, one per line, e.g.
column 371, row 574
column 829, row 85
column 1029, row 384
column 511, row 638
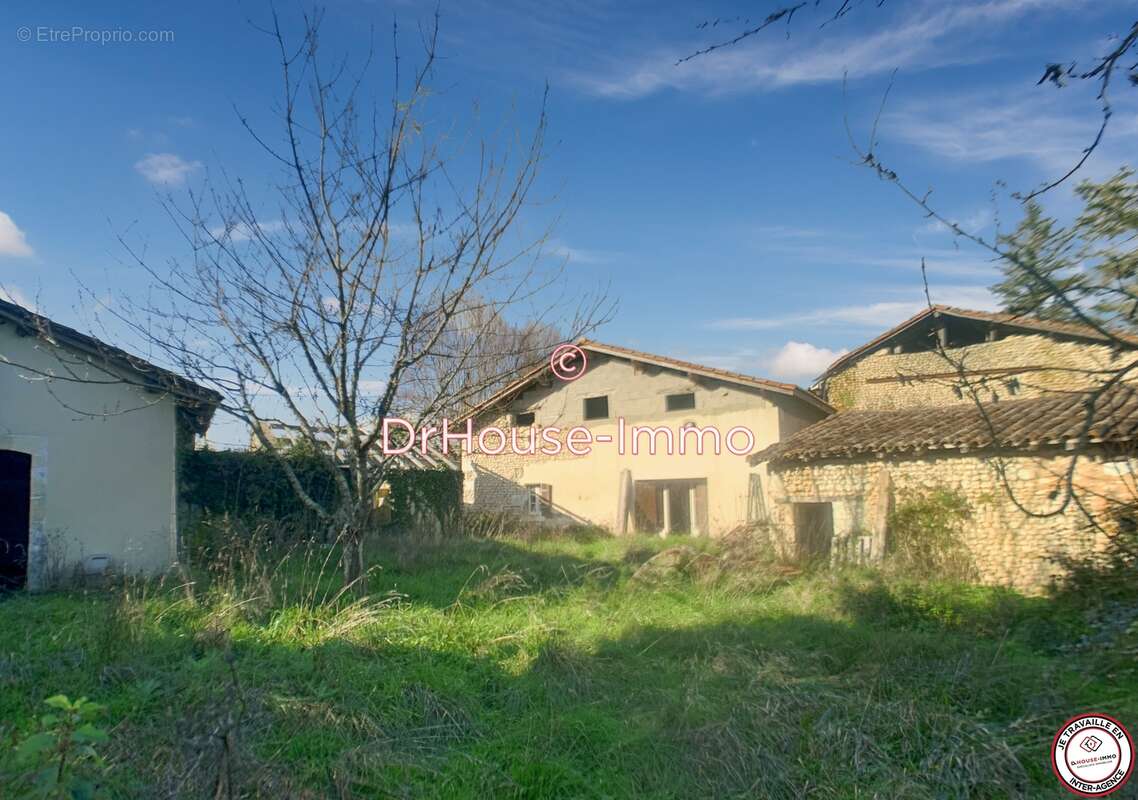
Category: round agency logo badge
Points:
column 1092, row 755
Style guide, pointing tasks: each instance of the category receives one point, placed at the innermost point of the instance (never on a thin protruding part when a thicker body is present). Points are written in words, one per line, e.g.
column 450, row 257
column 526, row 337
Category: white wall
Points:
column 103, row 484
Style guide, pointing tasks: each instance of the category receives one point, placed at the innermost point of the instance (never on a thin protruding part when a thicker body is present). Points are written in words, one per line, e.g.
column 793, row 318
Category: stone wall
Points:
column 1010, row 368
column 1010, row 546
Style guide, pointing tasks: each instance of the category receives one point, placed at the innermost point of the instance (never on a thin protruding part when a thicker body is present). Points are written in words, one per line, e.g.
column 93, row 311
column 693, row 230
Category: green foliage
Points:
column 1112, row 574
column 254, row 485
column 536, row 668
column 437, row 492
column 925, row 536
column 1091, row 264
column 60, row 761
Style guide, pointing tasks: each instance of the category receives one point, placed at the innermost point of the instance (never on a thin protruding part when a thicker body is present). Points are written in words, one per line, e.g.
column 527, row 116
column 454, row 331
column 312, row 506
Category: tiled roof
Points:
column 1067, row 329
column 200, row 399
column 1065, row 420
column 707, row 372
column 535, row 373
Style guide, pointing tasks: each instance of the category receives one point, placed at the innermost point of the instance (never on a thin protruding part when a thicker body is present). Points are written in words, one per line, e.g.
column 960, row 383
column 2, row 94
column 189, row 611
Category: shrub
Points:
column 1109, row 575
column 253, row 485
column 925, row 536
column 60, row 761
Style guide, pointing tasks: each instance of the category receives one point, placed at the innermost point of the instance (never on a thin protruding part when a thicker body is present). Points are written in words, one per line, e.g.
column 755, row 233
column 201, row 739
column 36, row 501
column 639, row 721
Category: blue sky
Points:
column 717, row 198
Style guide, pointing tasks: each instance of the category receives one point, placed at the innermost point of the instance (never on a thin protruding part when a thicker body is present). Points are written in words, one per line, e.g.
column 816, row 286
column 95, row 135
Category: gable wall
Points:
column 586, row 488
column 102, row 484
column 884, row 380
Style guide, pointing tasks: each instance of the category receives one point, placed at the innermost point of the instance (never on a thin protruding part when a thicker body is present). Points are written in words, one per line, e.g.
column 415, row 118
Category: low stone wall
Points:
column 1011, row 545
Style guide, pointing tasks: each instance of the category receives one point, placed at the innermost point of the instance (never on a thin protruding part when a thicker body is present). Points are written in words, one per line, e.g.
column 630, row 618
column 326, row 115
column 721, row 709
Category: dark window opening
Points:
column 813, row 529
column 679, row 402
column 15, row 517
column 948, row 332
column 524, row 419
column 665, row 507
column 540, row 500
column 597, row 407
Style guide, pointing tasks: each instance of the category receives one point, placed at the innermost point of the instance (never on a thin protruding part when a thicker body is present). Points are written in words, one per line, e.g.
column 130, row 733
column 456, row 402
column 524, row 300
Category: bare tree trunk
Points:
column 373, row 288
column 352, row 559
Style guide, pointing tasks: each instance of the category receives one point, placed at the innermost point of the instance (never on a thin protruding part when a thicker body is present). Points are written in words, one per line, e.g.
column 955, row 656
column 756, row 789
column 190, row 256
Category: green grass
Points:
column 539, row 670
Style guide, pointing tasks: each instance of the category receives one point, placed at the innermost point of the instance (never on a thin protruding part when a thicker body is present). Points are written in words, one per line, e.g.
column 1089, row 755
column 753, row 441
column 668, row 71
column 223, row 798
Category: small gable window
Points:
column 539, row 500
column 679, row 402
column 524, row 419
column 597, row 407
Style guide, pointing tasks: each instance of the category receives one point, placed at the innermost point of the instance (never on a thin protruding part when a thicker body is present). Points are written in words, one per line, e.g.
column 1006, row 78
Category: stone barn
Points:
column 89, row 444
column 1008, row 412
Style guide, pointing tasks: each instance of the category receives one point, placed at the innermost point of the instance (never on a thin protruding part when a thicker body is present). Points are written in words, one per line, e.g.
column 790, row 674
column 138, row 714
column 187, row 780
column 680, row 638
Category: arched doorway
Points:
column 15, row 517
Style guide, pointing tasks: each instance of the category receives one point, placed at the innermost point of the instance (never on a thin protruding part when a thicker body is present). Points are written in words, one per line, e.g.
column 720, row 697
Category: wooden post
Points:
column 693, row 522
column 667, row 495
column 623, row 501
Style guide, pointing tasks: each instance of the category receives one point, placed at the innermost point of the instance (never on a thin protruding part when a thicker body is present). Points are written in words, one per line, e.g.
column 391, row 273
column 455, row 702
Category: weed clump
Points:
column 926, row 536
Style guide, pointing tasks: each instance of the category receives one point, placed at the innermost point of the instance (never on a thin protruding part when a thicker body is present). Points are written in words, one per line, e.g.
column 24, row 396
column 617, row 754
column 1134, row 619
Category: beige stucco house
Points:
column 89, row 438
column 1009, row 412
column 632, row 403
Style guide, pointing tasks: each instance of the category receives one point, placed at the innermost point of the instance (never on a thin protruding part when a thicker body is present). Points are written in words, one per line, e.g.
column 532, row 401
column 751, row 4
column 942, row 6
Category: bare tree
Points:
column 1085, row 273
column 364, row 296
column 499, row 350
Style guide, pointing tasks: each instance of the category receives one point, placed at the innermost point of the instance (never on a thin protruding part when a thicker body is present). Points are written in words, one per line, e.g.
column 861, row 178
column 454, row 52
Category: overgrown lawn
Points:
column 503, row 668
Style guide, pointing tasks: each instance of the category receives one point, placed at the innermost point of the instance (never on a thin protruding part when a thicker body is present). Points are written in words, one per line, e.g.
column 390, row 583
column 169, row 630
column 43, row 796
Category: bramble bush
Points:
column 925, row 536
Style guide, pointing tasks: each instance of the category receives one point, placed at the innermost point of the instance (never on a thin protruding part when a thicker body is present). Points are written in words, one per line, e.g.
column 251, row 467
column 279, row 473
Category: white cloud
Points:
column 880, row 315
column 992, row 133
column 575, row 255
column 927, row 37
column 1043, row 126
column 166, row 168
column 13, row 294
column 13, row 241
column 971, row 223
column 871, row 315
column 800, row 361
column 940, row 261
column 243, row 231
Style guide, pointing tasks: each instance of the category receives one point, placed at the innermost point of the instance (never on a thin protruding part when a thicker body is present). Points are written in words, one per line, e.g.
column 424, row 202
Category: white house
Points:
column 89, row 439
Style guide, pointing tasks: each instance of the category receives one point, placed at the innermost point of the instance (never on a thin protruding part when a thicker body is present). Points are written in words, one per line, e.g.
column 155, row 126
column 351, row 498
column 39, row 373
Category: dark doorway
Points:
column 15, row 517
column 671, row 506
column 813, row 529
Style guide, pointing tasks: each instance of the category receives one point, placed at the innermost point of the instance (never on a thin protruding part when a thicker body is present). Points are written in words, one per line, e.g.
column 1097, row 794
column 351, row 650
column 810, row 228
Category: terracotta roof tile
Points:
column 102, row 354
column 1069, row 329
column 536, row 372
column 1067, row 419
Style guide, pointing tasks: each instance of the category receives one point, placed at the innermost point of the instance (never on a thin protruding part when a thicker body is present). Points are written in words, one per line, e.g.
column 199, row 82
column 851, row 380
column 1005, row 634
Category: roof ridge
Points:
column 789, row 389
column 1027, row 321
column 66, row 336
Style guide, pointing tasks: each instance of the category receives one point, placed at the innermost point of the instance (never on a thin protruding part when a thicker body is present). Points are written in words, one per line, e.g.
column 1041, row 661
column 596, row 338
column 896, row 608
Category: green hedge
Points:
column 254, row 484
